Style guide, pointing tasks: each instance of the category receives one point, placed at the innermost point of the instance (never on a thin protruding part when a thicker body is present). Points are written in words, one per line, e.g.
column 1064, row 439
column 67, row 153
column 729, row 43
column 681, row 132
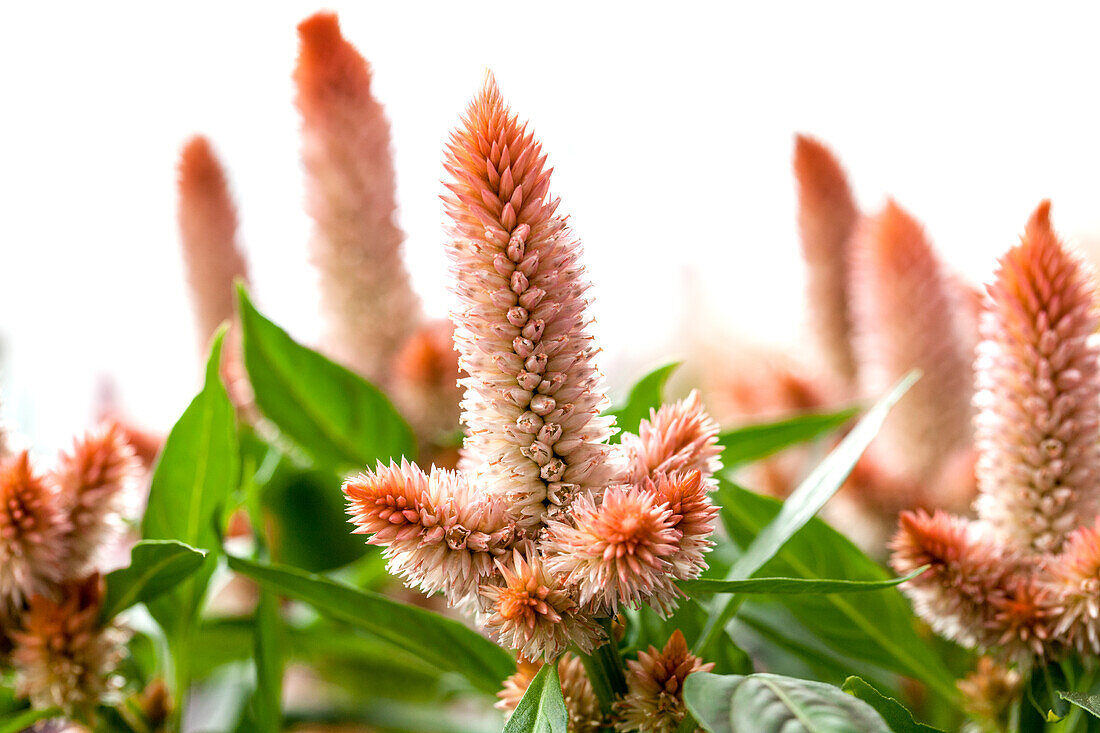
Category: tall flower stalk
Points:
column 548, row 529
column 1023, row 580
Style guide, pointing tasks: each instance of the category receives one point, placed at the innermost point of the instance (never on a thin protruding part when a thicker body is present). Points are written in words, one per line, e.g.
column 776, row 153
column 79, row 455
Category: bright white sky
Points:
column 669, row 126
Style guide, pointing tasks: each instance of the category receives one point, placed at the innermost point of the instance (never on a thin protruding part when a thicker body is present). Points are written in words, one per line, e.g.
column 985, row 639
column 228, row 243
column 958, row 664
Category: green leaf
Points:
column 878, row 628
column 768, row 703
column 21, row 721
column 754, row 442
column 441, row 642
column 156, row 566
column 646, row 395
column 306, row 521
column 893, row 712
column 337, row 416
column 195, row 476
column 1088, row 703
column 267, row 700
column 791, row 586
column 819, row 486
column 542, row 709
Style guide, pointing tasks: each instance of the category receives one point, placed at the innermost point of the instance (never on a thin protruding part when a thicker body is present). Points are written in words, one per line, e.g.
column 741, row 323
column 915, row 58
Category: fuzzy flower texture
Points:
column 54, row 524
column 1023, row 579
column 547, row 527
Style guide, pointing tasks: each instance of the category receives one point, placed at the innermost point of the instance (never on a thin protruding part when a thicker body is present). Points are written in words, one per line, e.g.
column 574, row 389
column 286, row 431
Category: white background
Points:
column 669, row 125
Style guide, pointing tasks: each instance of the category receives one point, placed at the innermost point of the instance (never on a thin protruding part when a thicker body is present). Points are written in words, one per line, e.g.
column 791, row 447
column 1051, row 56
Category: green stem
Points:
column 604, row 668
column 182, row 676
column 716, row 625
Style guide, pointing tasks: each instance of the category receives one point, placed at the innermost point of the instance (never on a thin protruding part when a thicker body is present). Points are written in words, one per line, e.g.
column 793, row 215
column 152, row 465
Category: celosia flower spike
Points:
column 1075, row 578
column 675, row 438
column 977, row 592
column 365, row 289
column 533, row 613
column 425, row 381
column 616, row 553
column 63, row 657
column 98, row 481
column 533, row 394
column 654, row 702
column 905, row 315
column 436, row 532
column 1038, row 429
column 827, row 217
column 33, row 529
column 581, row 702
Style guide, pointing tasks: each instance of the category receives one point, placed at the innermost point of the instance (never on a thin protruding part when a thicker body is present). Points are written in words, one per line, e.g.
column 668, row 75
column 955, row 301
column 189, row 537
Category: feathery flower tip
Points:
column 676, row 437
column 654, row 702
column 33, row 528
column 1038, row 428
column 686, row 497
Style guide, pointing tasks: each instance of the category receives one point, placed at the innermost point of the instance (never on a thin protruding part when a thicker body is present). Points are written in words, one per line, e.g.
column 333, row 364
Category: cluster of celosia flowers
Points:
column 547, row 527
column 880, row 303
column 54, row 525
column 1023, row 579
column 373, row 317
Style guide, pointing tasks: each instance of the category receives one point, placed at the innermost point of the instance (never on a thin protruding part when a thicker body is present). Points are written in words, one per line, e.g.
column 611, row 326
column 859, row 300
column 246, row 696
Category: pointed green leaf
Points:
column 542, row 709
column 646, row 395
column 893, row 712
column 156, row 566
column 341, row 419
column 1088, row 703
column 25, row 720
column 194, row 478
column 439, row 641
column 819, row 486
column 769, row 703
column 754, row 442
column 791, row 586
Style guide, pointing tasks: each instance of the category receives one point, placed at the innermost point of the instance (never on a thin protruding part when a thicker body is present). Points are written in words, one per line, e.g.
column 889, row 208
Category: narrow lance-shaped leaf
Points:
column 791, row 586
column 769, row 703
column 338, row 417
column 818, row 487
column 26, row 719
column 646, row 395
column 896, row 715
column 156, row 567
column 197, row 471
column 439, row 641
column 542, row 709
column 755, row 442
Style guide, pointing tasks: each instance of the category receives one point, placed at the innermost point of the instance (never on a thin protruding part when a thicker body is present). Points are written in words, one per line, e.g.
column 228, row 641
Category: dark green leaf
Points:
column 194, row 478
column 754, row 442
column 893, row 712
column 791, row 586
column 156, row 566
column 305, row 520
column 542, row 709
column 18, row 722
column 331, row 412
column 768, row 703
column 1088, row 703
column 818, row 487
column 441, row 642
column 878, row 627
column 646, row 395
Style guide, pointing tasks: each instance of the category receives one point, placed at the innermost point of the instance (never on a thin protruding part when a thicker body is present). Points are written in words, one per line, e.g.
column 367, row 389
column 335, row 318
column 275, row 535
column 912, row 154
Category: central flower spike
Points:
column 533, row 394
column 546, row 528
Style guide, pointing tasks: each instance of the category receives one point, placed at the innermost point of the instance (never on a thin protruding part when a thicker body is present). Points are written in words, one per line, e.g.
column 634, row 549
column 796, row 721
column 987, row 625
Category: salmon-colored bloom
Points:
column 676, row 437
column 366, row 292
column 63, row 656
column 1075, row 577
column 827, row 217
column 990, row 691
column 905, row 316
column 617, row 552
column 425, row 381
column 98, row 481
column 654, row 702
column 436, row 532
column 533, row 613
column 1038, row 430
column 580, row 699
column 685, row 495
column 33, row 530
column 533, row 394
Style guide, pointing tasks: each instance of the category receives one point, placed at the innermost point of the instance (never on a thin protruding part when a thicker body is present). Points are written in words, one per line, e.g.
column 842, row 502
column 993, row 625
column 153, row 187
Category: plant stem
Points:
column 604, row 668
column 716, row 625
